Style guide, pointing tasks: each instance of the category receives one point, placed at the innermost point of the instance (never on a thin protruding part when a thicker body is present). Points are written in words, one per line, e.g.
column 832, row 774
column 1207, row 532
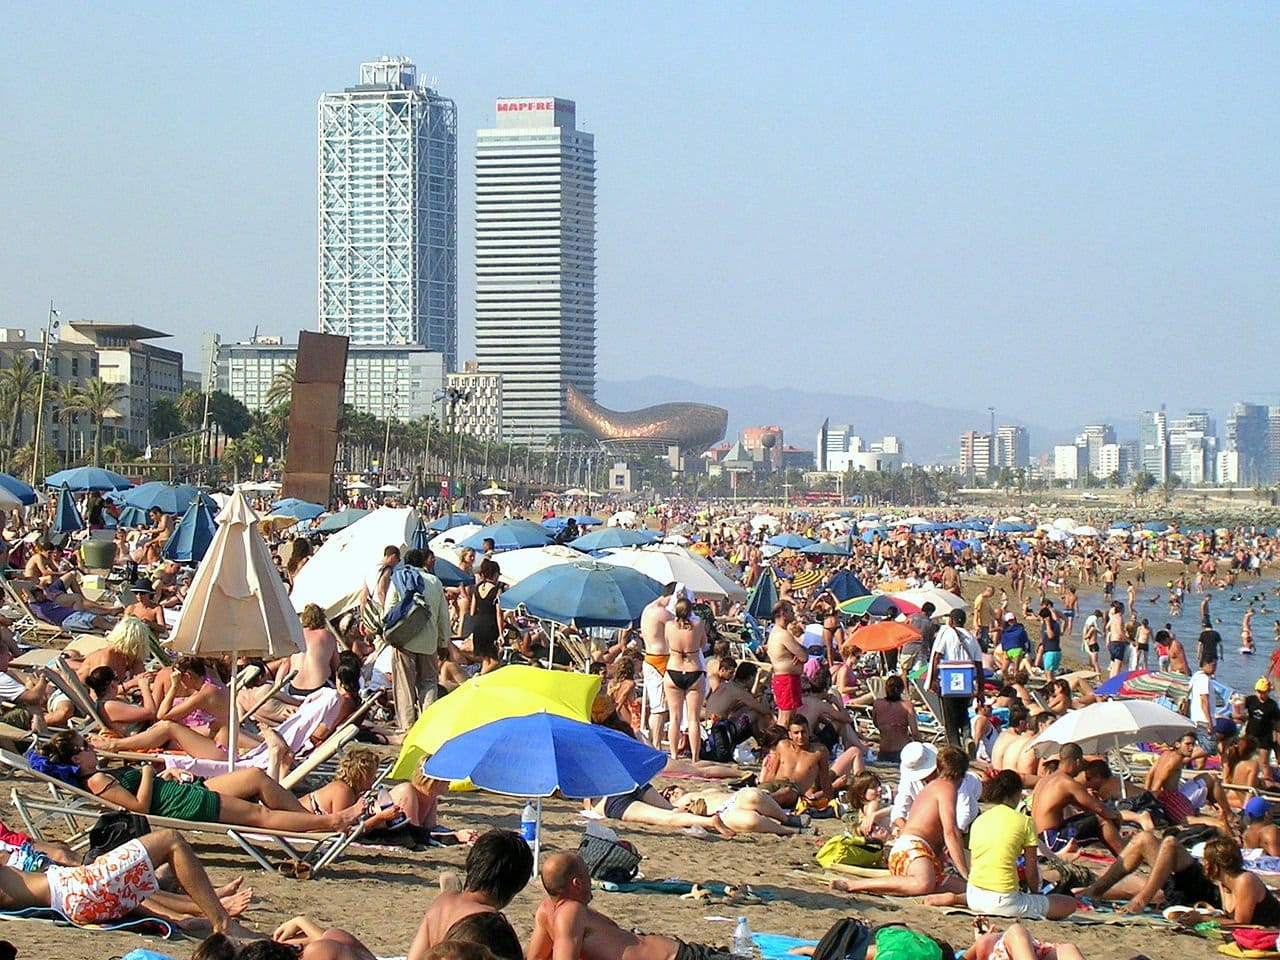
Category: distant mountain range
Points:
column 930, row 431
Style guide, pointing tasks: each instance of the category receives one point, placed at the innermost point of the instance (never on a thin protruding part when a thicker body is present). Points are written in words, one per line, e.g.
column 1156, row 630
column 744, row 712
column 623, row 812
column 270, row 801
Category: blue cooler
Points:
column 957, row 679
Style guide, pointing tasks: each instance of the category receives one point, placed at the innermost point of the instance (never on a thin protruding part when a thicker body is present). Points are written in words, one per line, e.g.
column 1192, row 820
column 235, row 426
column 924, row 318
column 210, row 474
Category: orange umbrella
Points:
column 885, row 635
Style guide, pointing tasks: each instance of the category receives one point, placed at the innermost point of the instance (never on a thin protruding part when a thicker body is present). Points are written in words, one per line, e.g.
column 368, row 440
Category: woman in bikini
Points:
column 684, row 683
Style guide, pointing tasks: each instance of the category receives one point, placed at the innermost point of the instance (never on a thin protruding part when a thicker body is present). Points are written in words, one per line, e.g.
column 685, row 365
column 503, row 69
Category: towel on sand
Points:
column 774, row 946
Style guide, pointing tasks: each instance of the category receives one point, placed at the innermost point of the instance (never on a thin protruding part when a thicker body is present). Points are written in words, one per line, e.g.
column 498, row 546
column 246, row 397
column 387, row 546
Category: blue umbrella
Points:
column 341, row 520
column 88, row 478
column 133, row 517
column 585, row 521
column 827, row 549
column 1111, row 688
column 449, row 521
column 789, row 541
column 509, row 535
column 22, row 491
column 67, row 518
column 584, row 594
column 169, row 497
column 191, row 537
column 612, row 537
column 764, row 596
column 293, row 507
column 450, row 574
column 1155, row 526
column 1012, row 528
column 846, row 585
column 1121, row 525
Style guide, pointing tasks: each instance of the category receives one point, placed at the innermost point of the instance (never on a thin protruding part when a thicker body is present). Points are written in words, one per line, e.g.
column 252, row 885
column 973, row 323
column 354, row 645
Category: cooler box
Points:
column 98, row 554
column 957, row 679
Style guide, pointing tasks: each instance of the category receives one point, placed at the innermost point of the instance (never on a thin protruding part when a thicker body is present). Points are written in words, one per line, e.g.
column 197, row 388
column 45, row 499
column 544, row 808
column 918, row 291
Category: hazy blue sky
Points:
column 1068, row 210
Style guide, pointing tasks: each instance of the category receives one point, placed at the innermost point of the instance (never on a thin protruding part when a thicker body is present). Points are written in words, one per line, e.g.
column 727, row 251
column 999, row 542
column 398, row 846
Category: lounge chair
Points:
column 27, row 624
column 932, row 727
column 61, row 674
column 78, row 810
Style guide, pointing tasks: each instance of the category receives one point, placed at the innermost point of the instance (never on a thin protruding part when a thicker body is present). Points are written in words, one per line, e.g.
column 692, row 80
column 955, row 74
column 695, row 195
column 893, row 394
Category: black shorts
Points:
column 700, row 951
column 1116, row 651
column 615, row 807
column 1186, row 888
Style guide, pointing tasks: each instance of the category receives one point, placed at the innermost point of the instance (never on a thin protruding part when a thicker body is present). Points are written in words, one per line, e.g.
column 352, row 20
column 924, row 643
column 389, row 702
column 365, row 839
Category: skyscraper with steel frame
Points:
column 388, row 162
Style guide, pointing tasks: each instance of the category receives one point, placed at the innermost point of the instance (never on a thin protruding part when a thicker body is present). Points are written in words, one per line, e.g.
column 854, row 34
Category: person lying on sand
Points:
column 1015, row 943
column 565, row 926
column 295, row 939
column 749, row 810
column 646, row 805
column 497, row 868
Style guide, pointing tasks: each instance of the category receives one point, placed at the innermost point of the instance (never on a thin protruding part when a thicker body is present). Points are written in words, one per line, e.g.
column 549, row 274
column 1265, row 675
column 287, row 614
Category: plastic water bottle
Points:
column 743, row 945
column 385, row 802
column 529, row 823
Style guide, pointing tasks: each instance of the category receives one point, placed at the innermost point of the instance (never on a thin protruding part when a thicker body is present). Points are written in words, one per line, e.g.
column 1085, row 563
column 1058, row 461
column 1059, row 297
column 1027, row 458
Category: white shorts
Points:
column 1196, row 791
column 107, row 889
column 1032, row 906
column 654, row 694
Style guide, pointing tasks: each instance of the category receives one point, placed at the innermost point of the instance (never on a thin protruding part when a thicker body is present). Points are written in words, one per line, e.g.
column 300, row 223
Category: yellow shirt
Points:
column 996, row 840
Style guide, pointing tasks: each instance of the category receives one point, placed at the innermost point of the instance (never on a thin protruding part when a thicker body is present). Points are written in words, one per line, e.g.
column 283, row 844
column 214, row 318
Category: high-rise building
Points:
column 1193, row 448
column 1247, row 437
column 1113, row 461
column 1095, row 436
column 389, row 211
column 1069, row 462
column 1273, row 445
column 975, row 454
column 1153, row 444
column 536, row 262
column 1013, row 446
column 481, row 413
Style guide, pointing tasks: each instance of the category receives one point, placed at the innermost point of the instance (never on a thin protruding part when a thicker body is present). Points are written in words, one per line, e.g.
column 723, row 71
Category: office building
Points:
column 833, row 438
column 1247, row 437
column 1113, row 462
column 480, row 414
column 1193, row 448
column 1095, row 436
column 1013, row 447
column 1153, row 444
column 398, row 382
column 388, row 212
column 1069, row 462
column 1227, row 470
column 536, row 262
column 976, row 455
column 765, row 444
column 69, row 363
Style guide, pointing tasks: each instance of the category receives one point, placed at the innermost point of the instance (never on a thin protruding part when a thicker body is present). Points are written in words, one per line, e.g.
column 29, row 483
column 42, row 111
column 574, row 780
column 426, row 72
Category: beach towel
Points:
column 151, row 925
column 1235, row 950
column 774, row 946
column 679, row 887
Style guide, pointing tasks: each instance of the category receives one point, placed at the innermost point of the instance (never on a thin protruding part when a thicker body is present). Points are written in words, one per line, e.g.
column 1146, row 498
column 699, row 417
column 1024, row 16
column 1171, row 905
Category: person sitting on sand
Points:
column 418, row 799
column 831, row 725
column 998, row 839
column 1008, row 743
column 565, row 927
column 1184, row 799
column 748, row 810
column 865, row 797
column 1260, row 832
column 1015, row 943
column 916, row 866
column 497, row 868
column 228, row 798
column 1056, row 793
column 733, row 698
column 796, row 769
column 918, row 768
column 125, row 651
column 895, row 719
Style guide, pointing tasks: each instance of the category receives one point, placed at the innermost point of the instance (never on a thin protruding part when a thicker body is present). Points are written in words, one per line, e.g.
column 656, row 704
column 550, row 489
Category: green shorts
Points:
column 1017, row 653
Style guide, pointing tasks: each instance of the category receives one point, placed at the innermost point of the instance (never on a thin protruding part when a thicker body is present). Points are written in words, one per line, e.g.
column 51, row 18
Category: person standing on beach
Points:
column 1090, row 639
column 984, row 617
column 653, row 631
column 954, row 644
column 788, row 657
column 1115, row 637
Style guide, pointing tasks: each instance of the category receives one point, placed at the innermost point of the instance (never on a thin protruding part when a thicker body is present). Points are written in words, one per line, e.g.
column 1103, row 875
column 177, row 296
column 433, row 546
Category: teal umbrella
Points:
column 193, row 534
column 341, row 520
column 67, row 518
column 88, row 478
column 764, row 596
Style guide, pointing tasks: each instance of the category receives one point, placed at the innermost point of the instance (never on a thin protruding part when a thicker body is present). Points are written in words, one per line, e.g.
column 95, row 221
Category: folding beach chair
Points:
column 63, row 676
column 78, row 810
column 931, row 726
column 27, row 624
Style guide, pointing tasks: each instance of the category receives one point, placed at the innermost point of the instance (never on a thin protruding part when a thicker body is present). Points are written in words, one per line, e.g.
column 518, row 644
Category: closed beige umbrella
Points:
column 237, row 603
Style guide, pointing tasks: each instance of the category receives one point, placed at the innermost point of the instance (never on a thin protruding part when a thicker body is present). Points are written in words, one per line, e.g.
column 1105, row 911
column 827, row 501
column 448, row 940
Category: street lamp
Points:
column 452, row 396
column 50, row 326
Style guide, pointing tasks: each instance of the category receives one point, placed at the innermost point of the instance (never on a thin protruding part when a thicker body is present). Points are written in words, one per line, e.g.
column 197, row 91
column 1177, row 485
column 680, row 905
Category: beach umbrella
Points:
column 359, row 485
column 449, row 539
column 824, row 548
column 542, row 754
column 789, row 541
column 450, row 574
column 237, row 603
column 80, row 479
column 885, row 635
column 762, row 520
column 508, row 535
column 9, row 500
column 845, row 585
column 667, row 563
column 1114, row 686
column 449, row 521
column 333, row 577
column 341, row 520
column 763, row 598
column 1084, row 530
column 389, row 488
column 517, row 565
column 944, row 601
column 584, row 521
column 512, row 691
column 66, row 519
column 584, row 593
column 169, row 497
column 877, row 605
column 191, row 538
column 493, row 490
column 1112, row 724
column 24, row 492
column 133, row 517
column 298, row 509
column 1155, row 526
column 612, row 537
column 623, row 518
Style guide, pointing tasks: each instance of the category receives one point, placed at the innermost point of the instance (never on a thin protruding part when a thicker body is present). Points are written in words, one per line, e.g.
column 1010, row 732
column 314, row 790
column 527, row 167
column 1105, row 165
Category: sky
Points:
column 1069, row 211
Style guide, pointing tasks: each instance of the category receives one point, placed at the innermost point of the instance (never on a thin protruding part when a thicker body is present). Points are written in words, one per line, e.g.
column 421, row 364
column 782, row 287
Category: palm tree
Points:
column 99, row 395
column 19, row 383
column 281, row 389
column 68, row 403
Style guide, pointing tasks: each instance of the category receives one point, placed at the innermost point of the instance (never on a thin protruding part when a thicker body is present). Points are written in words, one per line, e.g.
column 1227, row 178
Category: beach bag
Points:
column 114, row 830
column 414, row 620
column 1254, row 938
column 614, row 861
column 847, row 939
column 851, row 850
column 724, row 736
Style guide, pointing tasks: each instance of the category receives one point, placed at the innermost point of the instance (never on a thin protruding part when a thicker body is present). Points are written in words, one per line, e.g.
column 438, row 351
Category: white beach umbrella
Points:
column 493, row 490
column 518, row 564
column 360, row 485
column 1064, row 523
column 237, row 603
column 1084, row 530
column 334, row 576
column 1112, row 724
column 389, row 488
column 1012, row 518
column 623, row 518
column 668, row 563
column 944, row 601
column 761, row 520
column 448, row 538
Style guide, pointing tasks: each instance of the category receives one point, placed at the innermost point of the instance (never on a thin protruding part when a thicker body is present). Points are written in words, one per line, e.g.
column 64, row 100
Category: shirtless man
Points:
column 566, row 928
column 318, row 663
column 819, row 706
column 796, row 768
column 41, row 568
column 653, row 630
column 1091, row 639
column 1177, row 655
column 1009, row 743
column 787, row 656
column 146, row 609
column 915, row 859
column 1116, row 643
column 1181, row 799
column 498, row 867
column 1022, row 758
column 1060, row 790
column 733, row 697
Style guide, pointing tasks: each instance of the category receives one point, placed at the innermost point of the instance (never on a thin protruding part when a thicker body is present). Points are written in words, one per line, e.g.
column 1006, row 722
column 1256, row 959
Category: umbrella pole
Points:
column 233, row 717
column 537, row 837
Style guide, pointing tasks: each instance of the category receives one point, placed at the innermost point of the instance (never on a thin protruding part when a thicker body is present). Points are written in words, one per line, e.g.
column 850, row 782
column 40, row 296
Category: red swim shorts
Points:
column 786, row 690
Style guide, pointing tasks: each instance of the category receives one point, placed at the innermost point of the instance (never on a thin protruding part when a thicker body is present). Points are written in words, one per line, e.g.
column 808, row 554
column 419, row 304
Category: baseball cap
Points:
column 1257, row 808
column 142, row 586
column 1225, row 727
column 918, row 760
column 1262, row 684
column 1009, row 617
